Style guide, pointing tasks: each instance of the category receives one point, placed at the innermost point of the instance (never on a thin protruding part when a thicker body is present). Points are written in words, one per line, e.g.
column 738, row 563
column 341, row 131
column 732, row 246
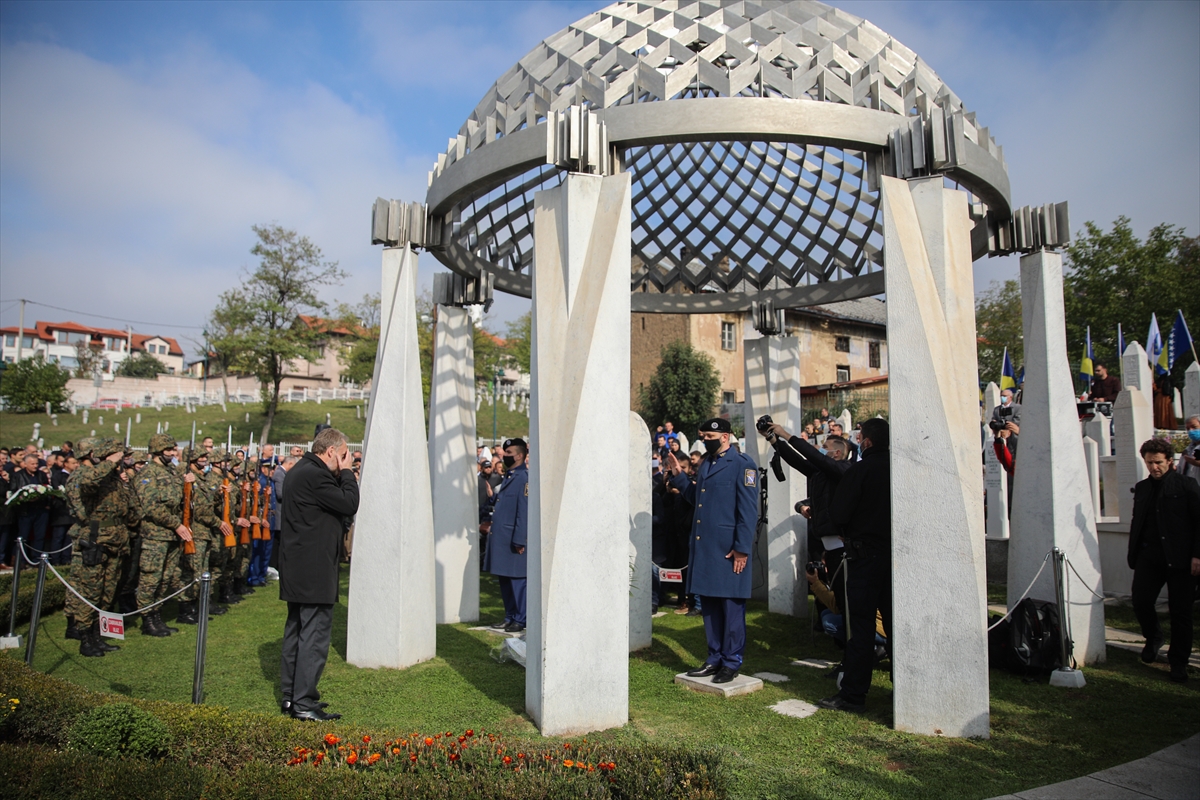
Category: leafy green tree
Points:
column 1113, row 277
column 225, row 336
column 141, row 365
column 30, row 383
column 998, row 325
column 357, row 356
column 519, row 344
column 683, row 389
column 268, row 335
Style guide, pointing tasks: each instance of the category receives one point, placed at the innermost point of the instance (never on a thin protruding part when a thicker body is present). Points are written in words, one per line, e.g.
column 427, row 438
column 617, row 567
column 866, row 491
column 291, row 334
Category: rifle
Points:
column 267, row 512
column 245, row 538
column 229, row 541
column 256, row 528
column 189, row 547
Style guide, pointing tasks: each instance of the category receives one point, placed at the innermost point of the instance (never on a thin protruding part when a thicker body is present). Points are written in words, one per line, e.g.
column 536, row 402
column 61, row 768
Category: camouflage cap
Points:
column 104, row 448
column 83, row 449
column 160, row 442
column 193, row 454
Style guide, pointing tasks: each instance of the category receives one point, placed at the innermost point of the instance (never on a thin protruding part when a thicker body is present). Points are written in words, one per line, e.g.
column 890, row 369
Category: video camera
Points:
column 1005, row 416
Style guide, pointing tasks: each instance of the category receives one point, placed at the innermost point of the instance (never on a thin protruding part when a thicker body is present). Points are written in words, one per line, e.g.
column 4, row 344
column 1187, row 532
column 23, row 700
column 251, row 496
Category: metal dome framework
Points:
column 755, row 135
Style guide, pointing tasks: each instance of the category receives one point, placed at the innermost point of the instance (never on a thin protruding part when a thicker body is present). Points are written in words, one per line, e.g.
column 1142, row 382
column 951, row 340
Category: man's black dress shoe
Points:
column 1150, row 651
column 725, row 675
column 316, row 715
column 499, row 626
column 514, row 627
column 704, row 671
column 286, row 706
column 838, row 703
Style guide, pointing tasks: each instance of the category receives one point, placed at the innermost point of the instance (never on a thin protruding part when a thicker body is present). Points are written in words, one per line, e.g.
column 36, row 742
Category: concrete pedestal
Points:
column 392, row 599
column 773, row 387
column 640, row 534
column 939, row 645
column 577, row 673
column 1051, row 480
column 742, row 684
column 452, row 475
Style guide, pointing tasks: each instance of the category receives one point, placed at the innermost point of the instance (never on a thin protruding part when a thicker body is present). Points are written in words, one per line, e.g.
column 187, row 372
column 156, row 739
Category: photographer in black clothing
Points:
column 862, row 512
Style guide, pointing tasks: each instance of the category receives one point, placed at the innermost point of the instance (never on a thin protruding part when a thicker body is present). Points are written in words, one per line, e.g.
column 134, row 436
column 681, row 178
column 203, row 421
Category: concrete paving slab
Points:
column 816, row 663
column 794, row 708
column 1085, row 788
column 772, row 677
column 1154, row 778
column 1185, row 754
column 742, row 684
column 488, row 629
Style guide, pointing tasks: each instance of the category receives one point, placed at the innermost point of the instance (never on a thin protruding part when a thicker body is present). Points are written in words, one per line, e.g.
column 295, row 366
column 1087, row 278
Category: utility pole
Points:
column 206, row 365
column 21, row 332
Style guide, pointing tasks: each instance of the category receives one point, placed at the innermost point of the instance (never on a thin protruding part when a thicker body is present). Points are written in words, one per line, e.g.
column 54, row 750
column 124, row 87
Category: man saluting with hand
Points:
column 725, row 499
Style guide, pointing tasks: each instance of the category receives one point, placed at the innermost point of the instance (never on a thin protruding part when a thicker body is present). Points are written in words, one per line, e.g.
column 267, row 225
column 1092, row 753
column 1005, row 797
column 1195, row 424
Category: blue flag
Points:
column 1007, row 376
column 1120, row 342
column 1179, row 340
column 1085, row 365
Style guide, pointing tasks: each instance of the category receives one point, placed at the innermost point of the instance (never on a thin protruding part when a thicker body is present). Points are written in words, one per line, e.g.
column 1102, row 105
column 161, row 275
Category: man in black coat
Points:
column 320, row 498
column 1164, row 547
column 862, row 511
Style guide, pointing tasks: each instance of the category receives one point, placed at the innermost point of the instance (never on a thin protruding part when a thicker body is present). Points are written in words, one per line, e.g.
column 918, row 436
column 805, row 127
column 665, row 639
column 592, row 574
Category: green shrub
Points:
column 119, row 729
column 54, row 596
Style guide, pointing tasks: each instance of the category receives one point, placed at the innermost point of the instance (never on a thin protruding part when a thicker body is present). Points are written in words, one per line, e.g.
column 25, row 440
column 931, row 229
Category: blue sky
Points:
column 140, row 141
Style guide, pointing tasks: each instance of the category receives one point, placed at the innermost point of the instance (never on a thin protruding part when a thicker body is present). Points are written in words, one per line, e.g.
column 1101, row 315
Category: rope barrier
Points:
column 156, row 603
column 1024, row 594
column 1081, row 580
column 47, row 552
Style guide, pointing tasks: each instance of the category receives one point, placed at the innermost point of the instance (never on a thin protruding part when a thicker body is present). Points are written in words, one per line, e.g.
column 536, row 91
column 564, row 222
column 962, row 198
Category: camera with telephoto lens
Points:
column 1005, row 415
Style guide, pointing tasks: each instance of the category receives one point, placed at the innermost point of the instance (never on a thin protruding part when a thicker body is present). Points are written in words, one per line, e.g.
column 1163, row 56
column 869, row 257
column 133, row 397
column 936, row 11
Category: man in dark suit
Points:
column 725, row 496
column 506, row 556
column 320, row 498
column 862, row 512
column 1164, row 547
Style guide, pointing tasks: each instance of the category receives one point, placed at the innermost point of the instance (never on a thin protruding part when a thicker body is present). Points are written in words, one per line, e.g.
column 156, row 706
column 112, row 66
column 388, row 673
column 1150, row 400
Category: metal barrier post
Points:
column 13, row 640
column 35, row 614
column 201, row 639
column 1064, row 675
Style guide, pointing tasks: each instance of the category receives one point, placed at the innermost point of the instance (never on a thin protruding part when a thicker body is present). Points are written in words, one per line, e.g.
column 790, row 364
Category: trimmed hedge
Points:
column 54, row 596
column 214, row 752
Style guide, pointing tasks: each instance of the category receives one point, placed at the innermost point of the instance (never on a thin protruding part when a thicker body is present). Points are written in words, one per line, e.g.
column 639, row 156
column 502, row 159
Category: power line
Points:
column 114, row 319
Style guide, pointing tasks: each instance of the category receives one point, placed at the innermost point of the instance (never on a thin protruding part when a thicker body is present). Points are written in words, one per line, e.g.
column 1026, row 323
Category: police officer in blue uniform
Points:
column 725, row 499
column 506, row 556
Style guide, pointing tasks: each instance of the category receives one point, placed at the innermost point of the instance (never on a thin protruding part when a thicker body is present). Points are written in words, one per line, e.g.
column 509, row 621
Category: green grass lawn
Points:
column 1039, row 734
column 294, row 422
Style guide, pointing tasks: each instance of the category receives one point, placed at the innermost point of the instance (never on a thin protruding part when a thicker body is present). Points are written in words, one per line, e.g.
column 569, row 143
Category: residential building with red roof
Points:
column 58, row 343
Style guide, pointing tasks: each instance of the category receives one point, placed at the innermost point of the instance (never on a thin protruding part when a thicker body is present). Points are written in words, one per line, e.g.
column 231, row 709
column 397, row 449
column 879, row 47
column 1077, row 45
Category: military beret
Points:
column 716, row 424
column 160, row 442
column 515, row 443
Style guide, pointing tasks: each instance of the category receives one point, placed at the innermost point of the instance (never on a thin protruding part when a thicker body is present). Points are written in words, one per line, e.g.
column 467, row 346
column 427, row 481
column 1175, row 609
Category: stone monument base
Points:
column 1067, row 678
column 742, row 684
column 997, row 560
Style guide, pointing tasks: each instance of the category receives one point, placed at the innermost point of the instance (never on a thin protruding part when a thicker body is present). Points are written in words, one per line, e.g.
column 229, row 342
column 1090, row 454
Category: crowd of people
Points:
column 137, row 528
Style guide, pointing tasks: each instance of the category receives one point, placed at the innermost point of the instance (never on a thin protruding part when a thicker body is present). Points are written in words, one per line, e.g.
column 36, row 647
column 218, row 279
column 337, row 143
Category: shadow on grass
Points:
column 471, row 659
column 269, row 656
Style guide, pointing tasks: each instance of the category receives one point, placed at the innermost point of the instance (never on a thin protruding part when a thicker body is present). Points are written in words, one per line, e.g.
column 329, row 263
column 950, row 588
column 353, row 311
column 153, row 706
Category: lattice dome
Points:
column 729, row 207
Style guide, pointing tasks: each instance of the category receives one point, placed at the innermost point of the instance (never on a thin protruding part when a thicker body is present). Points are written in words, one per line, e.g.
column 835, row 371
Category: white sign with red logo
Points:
column 112, row 625
column 671, row 575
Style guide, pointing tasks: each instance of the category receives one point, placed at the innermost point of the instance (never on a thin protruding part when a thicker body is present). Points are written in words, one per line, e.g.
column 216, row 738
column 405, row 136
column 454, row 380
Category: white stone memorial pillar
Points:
column 939, row 644
column 453, row 478
column 1055, row 504
column 1133, row 419
column 392, row 598
column 577, row 670
column 995, row 480
column 1091, row 456
column 1191, row 391
column 1135, row 370
column 641, row 532
column 773, row 387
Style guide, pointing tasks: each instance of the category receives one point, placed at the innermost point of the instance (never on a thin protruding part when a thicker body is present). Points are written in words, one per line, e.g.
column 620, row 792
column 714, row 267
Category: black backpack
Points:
column 1033, row 639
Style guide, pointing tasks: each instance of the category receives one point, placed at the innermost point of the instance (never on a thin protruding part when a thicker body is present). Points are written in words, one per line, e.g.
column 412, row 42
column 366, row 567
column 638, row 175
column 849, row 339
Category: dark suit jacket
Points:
column 316, row 506
column 862, row 505
column 1177, row 514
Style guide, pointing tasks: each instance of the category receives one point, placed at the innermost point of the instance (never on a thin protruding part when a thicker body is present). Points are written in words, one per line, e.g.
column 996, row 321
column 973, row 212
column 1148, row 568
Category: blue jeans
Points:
column 835, row 626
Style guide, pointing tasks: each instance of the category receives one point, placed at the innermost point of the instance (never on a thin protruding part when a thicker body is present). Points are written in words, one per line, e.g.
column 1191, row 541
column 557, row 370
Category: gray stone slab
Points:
column 1155, row 778
column 742, row 684
column 772, row 677
column 816, row 663
column 1185, row 754
column 498, row 632
column 658, row 614
column 1085, row 788
column 794, row 708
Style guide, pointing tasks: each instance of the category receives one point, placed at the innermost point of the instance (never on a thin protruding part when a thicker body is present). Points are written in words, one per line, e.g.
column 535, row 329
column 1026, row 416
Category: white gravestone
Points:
column 577, row 673
column 452, row 472
column 1191, row 391
column 392, row 600
column 1091, row 456
column 847, row 421
column 773, row 387
column 995, row 480
column 640, row 534
column 936, row 503
column 1133, row 418
column 1055, row 509
column 85, row 416
column 1177, row 404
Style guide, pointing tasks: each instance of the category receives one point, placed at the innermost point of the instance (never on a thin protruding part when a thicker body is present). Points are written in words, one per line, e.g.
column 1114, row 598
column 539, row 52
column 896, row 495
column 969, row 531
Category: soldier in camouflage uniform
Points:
column 75, row 506
column 206, row 534
column 127, row 587
column 113, row 510
column 234, row 578
column 160, row 487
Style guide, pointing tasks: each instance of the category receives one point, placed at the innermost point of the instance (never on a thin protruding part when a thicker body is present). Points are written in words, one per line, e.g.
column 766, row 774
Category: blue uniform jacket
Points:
column 510, row 526
column 725, row 499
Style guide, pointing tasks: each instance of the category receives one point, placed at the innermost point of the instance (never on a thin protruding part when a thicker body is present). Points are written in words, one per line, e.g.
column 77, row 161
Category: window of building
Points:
column 843, row 373
column 841, row 344
column 873, row 355
column 27, row 342
column 728, row 336
column 728, row 398
column 10, row 340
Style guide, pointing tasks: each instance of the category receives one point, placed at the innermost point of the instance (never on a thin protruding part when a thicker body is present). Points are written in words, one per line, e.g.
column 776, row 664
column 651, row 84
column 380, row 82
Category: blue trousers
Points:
column 260, row 555
column 512, row 591
column 725, row 629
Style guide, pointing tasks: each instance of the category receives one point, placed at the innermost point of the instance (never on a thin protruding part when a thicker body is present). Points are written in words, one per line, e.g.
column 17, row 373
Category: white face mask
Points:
column 175, row 461
column 1005, row 400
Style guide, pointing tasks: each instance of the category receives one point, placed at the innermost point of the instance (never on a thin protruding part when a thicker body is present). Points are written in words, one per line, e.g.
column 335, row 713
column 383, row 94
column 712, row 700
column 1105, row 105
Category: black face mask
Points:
column 711, row 446
column 509, row 461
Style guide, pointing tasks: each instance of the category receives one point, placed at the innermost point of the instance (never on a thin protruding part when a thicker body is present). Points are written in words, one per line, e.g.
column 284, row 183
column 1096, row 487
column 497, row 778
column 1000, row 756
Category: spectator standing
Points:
column 7, row 516
column 33, row 517
column 862, row 510
column 1189, row 459
column 1164, row 547
column 1105, row 387
column 506, row 556
column 320, row 497
column 1007, row 415
column 60, row 514
column 277, row 478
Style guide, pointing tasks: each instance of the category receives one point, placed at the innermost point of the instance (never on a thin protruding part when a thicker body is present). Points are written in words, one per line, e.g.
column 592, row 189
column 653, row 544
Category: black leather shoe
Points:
column 725, row 675
column 286, row 706
column 1150, row 651
column 499, row 626
column 704, row 671
column 316, row 715
column 1179, row 673
column 514, row 627
column 838, row 703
